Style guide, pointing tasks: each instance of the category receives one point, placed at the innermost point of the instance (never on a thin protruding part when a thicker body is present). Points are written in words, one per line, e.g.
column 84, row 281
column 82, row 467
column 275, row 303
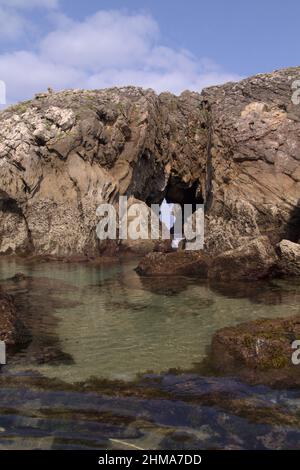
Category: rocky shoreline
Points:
column 257, row 259
column 233, row 148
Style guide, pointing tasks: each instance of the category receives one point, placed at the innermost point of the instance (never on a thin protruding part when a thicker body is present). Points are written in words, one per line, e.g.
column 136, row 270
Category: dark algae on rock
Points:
column 259, row 352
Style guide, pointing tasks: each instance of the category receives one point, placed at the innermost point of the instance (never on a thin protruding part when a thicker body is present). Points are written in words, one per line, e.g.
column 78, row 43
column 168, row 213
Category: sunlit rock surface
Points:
column 234, row 148
column 289, row 255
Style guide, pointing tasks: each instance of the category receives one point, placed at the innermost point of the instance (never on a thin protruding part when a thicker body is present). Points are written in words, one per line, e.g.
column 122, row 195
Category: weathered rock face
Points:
column 259, row 351
column 254, row 160
column 233, row 147
column 289, row 258
column 63, row 154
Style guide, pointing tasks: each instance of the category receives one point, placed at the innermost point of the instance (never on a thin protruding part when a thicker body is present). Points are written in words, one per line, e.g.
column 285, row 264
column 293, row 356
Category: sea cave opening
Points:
column 293, row 226
column 182, row 194
column 7, row 204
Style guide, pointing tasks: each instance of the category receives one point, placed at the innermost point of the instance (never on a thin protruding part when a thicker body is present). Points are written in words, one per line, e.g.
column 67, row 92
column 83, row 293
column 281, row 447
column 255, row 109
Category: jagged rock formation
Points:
column 254, row 155
column 233, row 147
column 63, row 154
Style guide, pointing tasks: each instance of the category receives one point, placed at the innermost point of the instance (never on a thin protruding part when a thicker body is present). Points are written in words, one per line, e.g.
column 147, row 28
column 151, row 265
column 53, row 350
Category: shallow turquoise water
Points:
column 91, row 325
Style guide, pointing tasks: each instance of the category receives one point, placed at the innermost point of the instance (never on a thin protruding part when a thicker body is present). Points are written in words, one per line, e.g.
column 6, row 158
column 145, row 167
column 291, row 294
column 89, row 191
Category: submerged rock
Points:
column 30, row 306
column 274, row 291
column 259, row 352
column 11, row 328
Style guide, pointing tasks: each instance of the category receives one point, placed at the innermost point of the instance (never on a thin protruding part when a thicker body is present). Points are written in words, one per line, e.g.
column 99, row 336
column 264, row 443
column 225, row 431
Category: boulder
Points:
column 259, row 352
column 254, row 260
column 289, row 258
column 178, row 263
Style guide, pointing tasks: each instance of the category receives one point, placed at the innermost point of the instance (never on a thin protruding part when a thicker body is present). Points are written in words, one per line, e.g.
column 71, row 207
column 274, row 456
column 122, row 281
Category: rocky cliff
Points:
column 235, row 148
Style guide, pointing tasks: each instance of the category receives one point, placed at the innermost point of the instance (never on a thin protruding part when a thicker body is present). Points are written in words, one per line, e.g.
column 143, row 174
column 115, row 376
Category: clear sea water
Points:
column 114, row 359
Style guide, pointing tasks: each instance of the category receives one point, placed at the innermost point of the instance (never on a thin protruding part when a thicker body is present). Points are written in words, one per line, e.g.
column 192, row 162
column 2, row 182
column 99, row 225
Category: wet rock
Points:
column 289, row 258
column 18, row 277
column 161, row 412
column 168, row 285
column 179, row 263
column 53, row 356
column 259, row 352
column 163, row 246
column 254, row 260
column 11, row 328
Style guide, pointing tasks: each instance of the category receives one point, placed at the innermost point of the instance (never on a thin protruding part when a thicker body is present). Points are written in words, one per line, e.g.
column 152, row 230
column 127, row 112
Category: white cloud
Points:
column 26, row 73
column 12, row 25
column 27, row 4
column 15, row 21
column 107, row 39
column 111, row 48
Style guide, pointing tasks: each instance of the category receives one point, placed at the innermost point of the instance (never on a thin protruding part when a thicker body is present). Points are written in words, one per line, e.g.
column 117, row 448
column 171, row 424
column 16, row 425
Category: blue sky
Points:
column 163, row 44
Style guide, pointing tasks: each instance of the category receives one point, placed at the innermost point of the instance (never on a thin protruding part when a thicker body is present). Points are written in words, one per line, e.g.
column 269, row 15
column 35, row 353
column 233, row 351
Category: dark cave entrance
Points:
column 7, row 204
column 293, row 227
column 177, row 191
column 180, row 193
